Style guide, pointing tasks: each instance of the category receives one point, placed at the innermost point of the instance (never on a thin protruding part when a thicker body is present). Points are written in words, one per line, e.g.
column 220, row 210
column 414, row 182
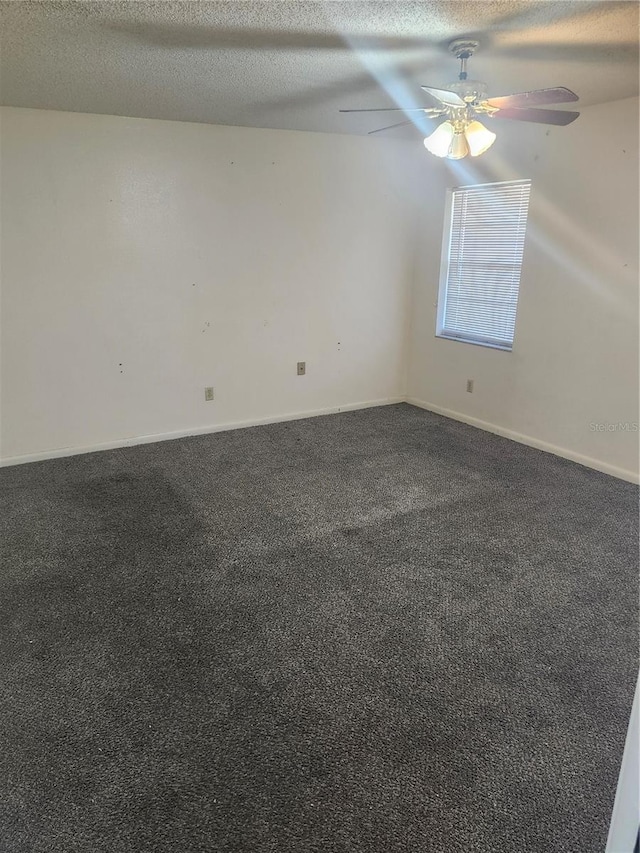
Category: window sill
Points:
column 501, row 347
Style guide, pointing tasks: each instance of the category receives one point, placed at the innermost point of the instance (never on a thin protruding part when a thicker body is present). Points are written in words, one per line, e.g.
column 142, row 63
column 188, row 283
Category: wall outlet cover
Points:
column 208, row 394
column 302, row 368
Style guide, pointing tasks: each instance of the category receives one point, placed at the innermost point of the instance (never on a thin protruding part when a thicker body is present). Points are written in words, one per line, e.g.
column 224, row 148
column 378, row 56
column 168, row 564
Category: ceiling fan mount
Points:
column 471, row 91
column 463, row 48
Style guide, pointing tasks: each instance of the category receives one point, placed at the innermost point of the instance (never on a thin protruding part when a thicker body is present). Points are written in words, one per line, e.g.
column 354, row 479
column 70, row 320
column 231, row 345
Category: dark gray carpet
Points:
column 378, row 631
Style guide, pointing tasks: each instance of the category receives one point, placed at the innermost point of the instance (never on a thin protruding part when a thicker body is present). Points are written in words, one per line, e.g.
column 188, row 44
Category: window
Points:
column 481, row 262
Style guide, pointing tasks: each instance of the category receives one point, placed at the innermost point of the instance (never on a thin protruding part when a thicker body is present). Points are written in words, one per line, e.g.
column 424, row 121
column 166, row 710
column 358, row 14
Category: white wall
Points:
column 143, row 260
column 575, row 356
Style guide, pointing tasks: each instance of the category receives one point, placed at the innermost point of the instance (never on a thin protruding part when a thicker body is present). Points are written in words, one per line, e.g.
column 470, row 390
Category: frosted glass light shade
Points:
column 458, row 148
column 440, row 140
column 446, row 142
column 479, row 138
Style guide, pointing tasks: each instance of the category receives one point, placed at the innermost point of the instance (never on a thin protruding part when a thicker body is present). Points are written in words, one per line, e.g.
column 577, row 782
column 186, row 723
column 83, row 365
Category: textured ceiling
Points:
column 294, row 64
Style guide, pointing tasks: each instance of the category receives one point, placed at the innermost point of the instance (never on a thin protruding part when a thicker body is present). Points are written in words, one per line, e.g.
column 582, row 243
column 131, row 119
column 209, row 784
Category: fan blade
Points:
column 560, row 117
column 389, row 126
column 426, row 110
column 537, row 98
column 444, row 96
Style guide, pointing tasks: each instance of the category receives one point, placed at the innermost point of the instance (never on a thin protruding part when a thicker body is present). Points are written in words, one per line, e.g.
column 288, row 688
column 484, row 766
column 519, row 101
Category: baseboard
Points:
column 168, row 436
column 588, row 461
column 131, row 441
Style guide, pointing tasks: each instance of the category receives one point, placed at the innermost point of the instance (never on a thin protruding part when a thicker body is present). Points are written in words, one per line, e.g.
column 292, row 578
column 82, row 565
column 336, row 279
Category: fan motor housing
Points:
column 471, row 91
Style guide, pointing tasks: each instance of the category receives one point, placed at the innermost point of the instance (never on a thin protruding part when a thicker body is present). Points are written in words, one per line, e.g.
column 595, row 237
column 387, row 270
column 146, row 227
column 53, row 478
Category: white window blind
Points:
column 481, row 262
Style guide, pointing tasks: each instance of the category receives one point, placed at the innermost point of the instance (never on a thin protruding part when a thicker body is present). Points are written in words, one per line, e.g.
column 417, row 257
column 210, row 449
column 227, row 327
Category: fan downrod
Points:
column 463, row 49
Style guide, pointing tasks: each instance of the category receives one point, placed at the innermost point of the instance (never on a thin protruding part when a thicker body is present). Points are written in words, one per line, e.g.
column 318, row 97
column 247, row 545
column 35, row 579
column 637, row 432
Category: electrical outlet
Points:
column 302, row 368
column 208, row 394
column 470, row 386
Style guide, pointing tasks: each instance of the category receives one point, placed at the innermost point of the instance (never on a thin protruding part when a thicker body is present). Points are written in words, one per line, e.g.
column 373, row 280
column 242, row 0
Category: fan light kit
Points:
column 464, row 101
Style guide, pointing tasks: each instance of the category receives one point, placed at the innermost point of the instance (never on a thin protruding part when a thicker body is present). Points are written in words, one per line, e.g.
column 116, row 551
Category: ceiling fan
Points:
column 463, row 101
